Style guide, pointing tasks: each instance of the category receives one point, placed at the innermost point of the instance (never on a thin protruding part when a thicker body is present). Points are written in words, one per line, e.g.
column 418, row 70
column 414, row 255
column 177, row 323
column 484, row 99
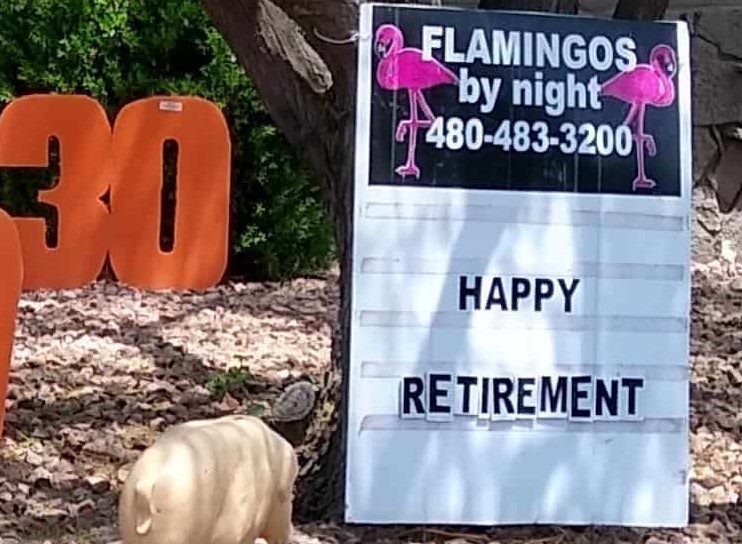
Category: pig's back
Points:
column 200, row 481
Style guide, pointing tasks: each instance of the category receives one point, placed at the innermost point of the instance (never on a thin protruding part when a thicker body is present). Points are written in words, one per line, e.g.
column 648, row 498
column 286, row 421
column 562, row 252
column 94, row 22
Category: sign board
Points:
column 521, row 270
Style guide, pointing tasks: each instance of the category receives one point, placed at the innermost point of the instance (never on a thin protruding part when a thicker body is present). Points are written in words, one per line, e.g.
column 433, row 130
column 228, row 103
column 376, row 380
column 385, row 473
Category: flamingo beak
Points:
column 380, row 49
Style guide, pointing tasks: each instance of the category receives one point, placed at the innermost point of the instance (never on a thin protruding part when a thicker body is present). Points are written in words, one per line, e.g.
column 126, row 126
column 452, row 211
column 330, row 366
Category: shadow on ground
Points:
column 74, row 424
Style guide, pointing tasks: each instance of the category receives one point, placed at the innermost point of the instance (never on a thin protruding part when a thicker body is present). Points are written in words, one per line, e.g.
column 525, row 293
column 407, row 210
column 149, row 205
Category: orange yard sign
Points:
column 81, row 126
column 199, row 252
column 128, row 161
column 10, row 292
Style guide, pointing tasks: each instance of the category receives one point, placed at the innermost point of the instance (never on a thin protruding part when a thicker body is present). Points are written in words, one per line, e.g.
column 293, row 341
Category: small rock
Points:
column 97, row 483
column 709, row 479
column 699, row 494
column 34, row 459
column 123, row 473
column 736, row 285
column 158, row 386
column 53, row 512
column 718, row 495
column 65, row 480
column 65, row 466
column 295, row 403
column 735, row 375
column 716, row 528
column 157, row 423
column 229, row 403
column 97, row 446
column 41, row 476
column 85, row 507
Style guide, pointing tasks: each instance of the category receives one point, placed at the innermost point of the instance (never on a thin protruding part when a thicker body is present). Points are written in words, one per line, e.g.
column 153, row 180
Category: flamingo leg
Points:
column 406, row 125
column 642, row 181
column 631, row 116
column 410, row 168
column 427, row 111
column 647, row 139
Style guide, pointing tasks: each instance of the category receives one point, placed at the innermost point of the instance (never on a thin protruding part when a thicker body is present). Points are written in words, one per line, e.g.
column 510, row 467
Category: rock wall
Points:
column 716, row 67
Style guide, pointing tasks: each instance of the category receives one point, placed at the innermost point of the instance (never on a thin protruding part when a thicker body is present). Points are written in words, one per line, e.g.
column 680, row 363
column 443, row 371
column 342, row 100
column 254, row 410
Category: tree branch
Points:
column 304, row 83
column 285, row 39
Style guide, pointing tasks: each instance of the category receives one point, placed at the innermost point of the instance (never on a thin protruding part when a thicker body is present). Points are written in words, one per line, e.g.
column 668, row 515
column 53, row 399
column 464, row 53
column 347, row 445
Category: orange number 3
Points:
column 10, row 294
column 81, row 125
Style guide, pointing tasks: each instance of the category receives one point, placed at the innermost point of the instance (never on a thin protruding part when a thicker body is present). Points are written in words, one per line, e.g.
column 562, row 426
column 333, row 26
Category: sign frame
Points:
column 419, row 499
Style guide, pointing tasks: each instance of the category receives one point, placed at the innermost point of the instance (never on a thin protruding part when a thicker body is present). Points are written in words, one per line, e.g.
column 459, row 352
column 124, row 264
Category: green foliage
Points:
column 237, row 383
column 234, row 380
column 121, row 50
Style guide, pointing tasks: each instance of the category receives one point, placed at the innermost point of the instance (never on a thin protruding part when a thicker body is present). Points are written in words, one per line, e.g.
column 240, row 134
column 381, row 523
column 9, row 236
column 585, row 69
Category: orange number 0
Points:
column 128, row 161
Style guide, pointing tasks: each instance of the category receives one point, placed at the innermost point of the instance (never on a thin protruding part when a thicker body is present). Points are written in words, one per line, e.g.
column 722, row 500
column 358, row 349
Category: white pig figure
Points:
column 227, row 480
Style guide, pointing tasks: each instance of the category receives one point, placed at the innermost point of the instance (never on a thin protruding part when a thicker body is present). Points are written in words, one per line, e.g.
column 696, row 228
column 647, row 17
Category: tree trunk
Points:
column 300, row 54
column 645, row 10
column 556, row 6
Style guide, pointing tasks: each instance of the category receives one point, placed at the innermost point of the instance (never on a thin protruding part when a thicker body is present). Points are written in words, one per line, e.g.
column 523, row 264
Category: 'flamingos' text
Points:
column 532, row 50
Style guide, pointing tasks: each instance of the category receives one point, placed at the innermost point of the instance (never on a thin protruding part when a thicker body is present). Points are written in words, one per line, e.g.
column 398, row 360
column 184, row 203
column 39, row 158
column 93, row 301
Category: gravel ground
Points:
column 98, row 372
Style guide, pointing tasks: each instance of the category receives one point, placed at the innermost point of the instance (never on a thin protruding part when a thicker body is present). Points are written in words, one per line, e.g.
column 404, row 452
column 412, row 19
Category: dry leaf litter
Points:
column 99, row 372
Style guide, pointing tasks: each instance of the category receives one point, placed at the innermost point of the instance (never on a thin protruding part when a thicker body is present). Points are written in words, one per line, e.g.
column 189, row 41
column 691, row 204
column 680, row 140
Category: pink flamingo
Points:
column 404, row 68
column 647, row 84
